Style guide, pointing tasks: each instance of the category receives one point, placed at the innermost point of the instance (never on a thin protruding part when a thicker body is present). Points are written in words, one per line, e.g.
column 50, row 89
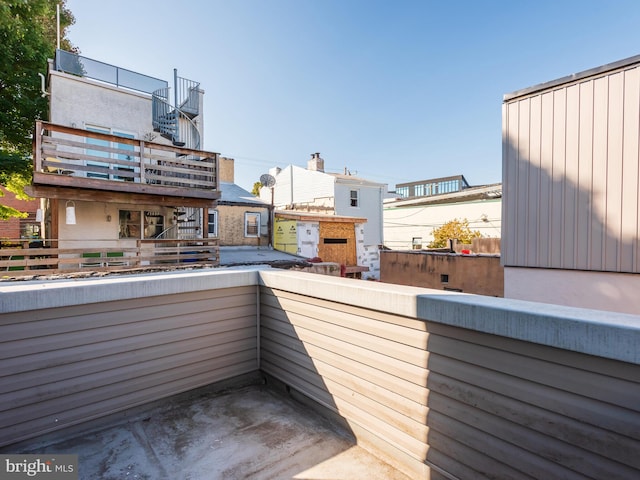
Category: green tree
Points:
column 28, row 38
column 454, row 229
column 256, row 189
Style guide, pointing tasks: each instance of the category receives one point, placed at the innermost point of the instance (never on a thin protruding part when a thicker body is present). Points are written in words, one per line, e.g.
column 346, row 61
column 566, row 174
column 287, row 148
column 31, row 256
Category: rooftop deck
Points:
column 435, row 384
column 249, row 432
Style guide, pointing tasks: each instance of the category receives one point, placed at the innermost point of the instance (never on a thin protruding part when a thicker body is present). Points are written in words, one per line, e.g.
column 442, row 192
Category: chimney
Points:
column 316, row 163
column 226, row 169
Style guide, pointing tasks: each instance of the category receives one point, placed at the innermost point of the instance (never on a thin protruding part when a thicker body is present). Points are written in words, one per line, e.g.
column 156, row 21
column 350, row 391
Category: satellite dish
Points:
column 267, row 180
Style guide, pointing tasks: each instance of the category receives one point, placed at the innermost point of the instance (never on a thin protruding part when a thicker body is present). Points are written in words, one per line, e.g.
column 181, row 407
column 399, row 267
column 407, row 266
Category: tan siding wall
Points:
column 63, row 366
column 466, row 402
column 570, row 175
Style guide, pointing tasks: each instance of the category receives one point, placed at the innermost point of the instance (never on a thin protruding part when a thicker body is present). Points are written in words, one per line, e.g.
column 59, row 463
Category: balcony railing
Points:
column 74, row 64
column 438, row 384
column 71, row 157
column 19, row 258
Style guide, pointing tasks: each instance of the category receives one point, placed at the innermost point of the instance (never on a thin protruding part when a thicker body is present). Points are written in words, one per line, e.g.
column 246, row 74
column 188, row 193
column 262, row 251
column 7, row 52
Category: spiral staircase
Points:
column 177, row 121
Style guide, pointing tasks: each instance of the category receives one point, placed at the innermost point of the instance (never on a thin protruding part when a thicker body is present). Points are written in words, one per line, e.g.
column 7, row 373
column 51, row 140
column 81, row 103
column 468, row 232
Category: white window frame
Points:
column 247, row 216
column 356, row 198
column 213, row 213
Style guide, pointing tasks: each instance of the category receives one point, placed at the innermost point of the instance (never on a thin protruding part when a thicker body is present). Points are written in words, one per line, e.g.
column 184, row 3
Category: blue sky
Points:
column 395, row 91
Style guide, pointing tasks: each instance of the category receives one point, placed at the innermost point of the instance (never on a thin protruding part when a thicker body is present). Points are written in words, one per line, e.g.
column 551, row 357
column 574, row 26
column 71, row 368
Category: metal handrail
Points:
column 164, row 109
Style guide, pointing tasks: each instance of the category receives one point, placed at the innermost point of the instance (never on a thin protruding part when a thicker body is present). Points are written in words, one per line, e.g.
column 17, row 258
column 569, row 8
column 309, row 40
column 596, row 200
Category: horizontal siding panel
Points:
column 358, row 396
column 340, row 372
column 407, row 390
column 535, row 448
column 497, row 451
column 398, row 351
column 611, row 445
column 607, row 417
column 111, row 391
column 64, row 315
column 158, row 387
column 382, row 362
column 603, row 366
column 611, row 390
column 464, row 462
column 105, row 347
column 100, row 358
column 110, row 333
column 129, row 367
column 399, row 329
column 365, row 419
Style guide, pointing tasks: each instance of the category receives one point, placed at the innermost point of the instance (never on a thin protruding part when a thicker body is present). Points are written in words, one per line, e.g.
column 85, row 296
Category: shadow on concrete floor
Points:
column 252, row 432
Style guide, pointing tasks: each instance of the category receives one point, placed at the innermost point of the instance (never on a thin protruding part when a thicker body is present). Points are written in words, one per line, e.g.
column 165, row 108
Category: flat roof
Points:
column 620, row 64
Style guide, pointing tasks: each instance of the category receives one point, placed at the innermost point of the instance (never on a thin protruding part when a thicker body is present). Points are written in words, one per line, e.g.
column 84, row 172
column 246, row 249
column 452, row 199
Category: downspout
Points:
column 291, row 186
column 43, row 85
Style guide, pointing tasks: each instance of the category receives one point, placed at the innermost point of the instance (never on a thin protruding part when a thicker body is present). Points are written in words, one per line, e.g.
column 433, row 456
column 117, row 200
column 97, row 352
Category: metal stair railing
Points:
column 181, row 129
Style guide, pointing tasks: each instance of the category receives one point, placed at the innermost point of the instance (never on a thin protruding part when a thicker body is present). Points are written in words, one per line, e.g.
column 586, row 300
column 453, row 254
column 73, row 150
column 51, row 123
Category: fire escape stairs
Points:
column 177, row 122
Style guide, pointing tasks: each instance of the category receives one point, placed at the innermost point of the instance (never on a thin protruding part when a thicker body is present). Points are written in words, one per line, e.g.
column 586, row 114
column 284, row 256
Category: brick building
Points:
column 15, row 228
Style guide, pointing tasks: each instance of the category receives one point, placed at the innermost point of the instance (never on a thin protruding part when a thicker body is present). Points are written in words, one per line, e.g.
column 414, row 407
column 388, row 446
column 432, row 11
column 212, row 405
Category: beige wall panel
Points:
column 631, row 160
column 546, row 206
column 585, row 174
column 570, row 175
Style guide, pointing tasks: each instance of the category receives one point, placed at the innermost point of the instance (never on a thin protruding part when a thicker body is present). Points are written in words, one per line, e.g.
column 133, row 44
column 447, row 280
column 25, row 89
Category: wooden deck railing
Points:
column 43, row 257
column 72, row 157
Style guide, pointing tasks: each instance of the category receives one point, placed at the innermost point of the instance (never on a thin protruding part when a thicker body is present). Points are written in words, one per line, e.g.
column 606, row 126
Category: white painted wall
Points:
column 309, row 187
column 369, row 207
column 612, row 291
column 401, row 224
column 78, row 102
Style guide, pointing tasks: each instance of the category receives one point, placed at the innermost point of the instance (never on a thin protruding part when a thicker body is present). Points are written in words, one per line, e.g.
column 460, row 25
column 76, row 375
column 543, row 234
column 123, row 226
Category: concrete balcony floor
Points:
column 251, row 432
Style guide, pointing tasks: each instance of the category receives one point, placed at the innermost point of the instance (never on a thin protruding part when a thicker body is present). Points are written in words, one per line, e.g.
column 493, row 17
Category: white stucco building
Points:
column 314, row 191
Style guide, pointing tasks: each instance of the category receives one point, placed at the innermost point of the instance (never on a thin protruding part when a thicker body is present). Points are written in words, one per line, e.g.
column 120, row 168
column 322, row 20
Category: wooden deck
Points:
column 69, row 158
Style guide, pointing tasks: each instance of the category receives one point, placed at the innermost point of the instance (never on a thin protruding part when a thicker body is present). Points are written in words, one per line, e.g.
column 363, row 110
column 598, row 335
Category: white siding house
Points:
column 312, row 190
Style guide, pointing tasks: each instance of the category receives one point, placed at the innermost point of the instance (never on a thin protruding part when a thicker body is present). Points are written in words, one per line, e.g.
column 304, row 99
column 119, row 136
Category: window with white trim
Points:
column 213, row 223
column 251, row 224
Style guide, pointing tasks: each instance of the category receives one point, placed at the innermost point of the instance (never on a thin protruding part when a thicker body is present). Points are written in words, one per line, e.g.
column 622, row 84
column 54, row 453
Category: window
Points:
column 251, row 224
column 130, row 223
column 213, row 223
column 153, row 224
column 416, row 243
column 354, row 198
column 402, row 191
column 133, row 222
column 102, row 170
